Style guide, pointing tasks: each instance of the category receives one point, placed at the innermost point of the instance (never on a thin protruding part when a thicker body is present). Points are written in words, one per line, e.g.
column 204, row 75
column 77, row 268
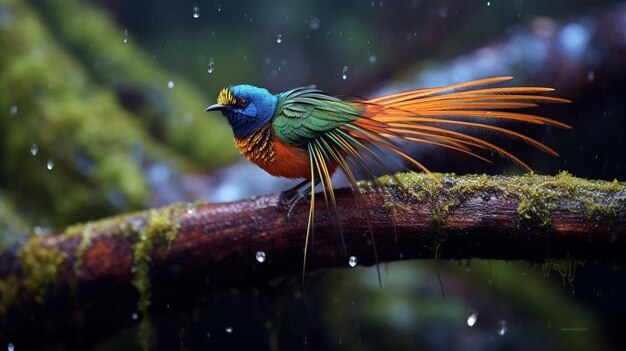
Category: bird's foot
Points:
column 287, row 200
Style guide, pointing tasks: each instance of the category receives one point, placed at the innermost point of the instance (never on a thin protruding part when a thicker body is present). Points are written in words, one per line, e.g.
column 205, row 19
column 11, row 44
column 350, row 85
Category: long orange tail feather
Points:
column 426, row 115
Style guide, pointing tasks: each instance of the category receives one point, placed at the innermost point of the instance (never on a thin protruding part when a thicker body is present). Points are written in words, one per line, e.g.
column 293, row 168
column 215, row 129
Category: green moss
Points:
column 8, row 292
column 99, row 149
column 39, row 266
column 160, row 227
column 538, row 196
column 175, row 115
column 565, row 268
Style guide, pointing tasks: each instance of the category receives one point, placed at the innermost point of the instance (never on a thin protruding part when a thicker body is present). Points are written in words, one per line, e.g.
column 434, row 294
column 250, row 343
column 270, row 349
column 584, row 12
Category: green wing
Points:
column 303, row 114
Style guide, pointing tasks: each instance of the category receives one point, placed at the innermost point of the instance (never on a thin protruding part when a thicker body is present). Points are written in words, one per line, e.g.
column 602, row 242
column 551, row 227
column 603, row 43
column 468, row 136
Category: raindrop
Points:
column 314, row 23
column 488, row 3
column 191, row 208
column 279, row 38
column 260, row 256
column 219, row 7
column 125, row 36
column 135, row 316
column 10, row 347
column 229, row 330
column 13, row 110
column 344, row 72
column 502, row 327
column 472, row 317
column 208, row 335
column 372, row 59
column 170, row 84
column 211, row 67
column 352, row 261
column 34, row 149
column 50, row 164
column 196, row 12
column 590, row 76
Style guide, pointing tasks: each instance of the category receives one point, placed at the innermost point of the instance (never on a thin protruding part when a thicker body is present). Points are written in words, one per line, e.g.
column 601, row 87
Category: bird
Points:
column 305, row 133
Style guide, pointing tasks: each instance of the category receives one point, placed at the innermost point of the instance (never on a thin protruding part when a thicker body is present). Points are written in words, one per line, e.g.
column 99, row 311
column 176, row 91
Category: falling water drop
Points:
column 502, row 327
column 34, row 149
column 10, row 347
column 260, row 256
column 196, row 12
column 314, row 23
column 50, row 164
column 211, row 67
column 352, row 261
column 219, row 7
column 170, row 84
column 229, row 330
column 279, row 38
column 373, row 59
column 191, row 208
column 344, row 72
column 472, row 317
column 134, row 316
column 125, row 36
column 488, row 3
column 13, row 111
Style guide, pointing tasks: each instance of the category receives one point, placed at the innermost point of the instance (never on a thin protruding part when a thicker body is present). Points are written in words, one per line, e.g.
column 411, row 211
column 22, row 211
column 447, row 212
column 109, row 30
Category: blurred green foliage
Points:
column 91, row 151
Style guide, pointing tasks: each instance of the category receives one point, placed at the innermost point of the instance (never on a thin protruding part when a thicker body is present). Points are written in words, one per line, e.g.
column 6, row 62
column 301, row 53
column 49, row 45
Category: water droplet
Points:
column 211, row 67
column 590, row 76
column 314, row 23
column 170, row 84
column 219, row 7
column 344, row 72
column 260, row 256
column 372, row 59
column 229, row 330
column 191, row 208
column 502, row 327
column 208, row 335
column 34, row 149
column 13, row 110
column 135, row 316
column 125, row 36
column 472, row 317
column 279, row 38
column 352, row 261
column 196, row 12
column 488, row 3
column 50, row 164
column 10, row 347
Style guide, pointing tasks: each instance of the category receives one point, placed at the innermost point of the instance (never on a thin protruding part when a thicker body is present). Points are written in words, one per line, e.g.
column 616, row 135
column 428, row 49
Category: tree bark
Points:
column 97, row 274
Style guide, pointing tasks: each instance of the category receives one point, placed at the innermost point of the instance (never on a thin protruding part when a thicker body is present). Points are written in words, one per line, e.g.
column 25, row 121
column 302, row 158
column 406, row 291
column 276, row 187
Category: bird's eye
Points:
column 243, row 103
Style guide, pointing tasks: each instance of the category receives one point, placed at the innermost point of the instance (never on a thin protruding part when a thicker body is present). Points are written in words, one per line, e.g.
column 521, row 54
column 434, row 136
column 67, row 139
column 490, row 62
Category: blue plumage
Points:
column 252, row 109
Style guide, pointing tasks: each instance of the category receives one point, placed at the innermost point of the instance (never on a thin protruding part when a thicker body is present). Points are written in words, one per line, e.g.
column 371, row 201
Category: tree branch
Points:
column 105, row 267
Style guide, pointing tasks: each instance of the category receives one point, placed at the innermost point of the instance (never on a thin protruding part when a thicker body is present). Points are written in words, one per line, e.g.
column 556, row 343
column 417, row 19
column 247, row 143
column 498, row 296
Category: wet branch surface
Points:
column 91, row 277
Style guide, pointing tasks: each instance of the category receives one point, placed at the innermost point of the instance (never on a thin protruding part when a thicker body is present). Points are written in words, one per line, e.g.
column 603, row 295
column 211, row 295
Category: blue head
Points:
column 246, row 107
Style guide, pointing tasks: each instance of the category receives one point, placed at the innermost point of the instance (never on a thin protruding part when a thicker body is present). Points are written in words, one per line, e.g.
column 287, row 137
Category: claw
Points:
column 289, row 199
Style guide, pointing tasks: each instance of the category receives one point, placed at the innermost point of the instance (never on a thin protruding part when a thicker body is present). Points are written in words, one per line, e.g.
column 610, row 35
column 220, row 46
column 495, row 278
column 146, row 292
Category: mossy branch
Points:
column 111, row 268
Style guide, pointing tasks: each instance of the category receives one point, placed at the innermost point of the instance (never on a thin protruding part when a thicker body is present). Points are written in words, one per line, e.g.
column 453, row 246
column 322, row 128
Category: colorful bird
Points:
column 308, row 134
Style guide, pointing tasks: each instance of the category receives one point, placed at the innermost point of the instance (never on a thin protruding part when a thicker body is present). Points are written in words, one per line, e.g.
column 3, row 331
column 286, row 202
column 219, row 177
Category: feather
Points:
column 311, row 134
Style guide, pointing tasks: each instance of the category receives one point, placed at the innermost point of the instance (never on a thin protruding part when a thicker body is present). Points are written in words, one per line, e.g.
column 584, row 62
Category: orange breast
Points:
column 276, row 157
column 289, row 161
